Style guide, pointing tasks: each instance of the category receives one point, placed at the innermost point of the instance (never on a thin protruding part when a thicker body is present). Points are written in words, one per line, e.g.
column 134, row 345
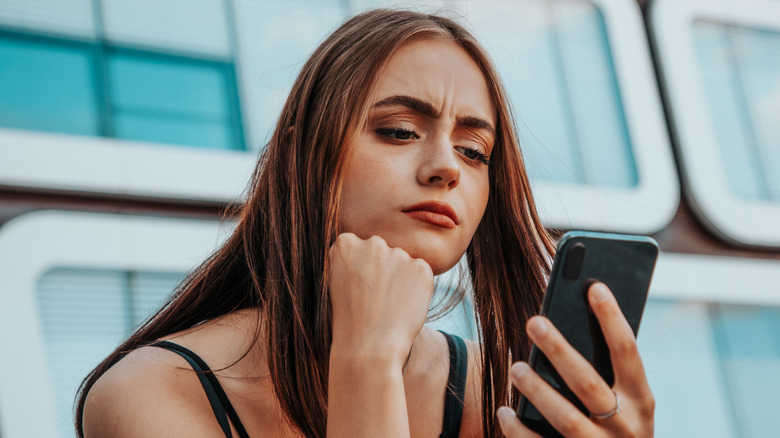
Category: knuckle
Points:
column 631, row 431
column 569, row 422
column 590, row 385
column 376, row 240
column 647, row 404
column 344, row 240
column 552, row 347
column 399, row 253
column 424, row 267
column 627, row 347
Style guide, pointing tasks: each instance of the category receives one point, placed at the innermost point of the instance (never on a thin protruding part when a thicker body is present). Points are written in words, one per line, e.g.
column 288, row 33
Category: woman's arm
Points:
column 379, row 299
column 636, row 402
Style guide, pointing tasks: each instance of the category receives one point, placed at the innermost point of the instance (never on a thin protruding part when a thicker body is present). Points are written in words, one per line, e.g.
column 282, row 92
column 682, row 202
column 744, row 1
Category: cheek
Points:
column 478, row 199
column 368, row 186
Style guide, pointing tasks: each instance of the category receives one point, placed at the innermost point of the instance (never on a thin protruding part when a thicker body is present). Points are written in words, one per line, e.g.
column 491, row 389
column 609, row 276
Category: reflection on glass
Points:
column 749, row 348
column 683, row 369
column 84, row 315
column 555, row 59
column 740, row 71
column 170, row 100
column 47, row 87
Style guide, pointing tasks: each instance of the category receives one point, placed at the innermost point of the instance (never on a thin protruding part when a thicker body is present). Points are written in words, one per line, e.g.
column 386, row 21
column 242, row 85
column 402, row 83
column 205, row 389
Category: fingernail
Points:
column 599, row 292
column 504, row 413
column 519, row 369
column 537, row 326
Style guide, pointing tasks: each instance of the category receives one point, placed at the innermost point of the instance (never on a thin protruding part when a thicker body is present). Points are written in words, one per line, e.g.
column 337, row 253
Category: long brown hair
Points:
column 275, row 260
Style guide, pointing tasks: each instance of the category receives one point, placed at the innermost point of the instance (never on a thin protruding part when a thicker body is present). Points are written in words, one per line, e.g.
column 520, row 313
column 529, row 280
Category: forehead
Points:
column 440, row 72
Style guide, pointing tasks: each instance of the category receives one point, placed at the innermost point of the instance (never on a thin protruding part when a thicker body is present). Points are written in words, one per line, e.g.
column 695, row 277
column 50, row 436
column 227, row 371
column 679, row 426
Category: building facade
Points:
column 127, row 128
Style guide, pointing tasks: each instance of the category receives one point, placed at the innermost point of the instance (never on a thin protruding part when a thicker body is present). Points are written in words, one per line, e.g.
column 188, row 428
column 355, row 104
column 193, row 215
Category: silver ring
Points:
column 606, row 415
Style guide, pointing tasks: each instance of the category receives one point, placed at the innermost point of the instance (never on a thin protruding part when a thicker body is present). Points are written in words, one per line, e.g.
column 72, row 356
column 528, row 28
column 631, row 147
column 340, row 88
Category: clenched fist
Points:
column 379, row 299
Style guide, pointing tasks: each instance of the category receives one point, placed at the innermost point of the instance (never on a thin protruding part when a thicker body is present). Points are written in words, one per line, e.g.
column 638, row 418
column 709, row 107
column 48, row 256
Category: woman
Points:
column 394, row 156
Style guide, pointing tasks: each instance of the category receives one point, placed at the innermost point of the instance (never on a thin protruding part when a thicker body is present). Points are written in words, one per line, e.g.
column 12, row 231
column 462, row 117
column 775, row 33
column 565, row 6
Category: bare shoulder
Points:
column 155, row 392
column 150, row 392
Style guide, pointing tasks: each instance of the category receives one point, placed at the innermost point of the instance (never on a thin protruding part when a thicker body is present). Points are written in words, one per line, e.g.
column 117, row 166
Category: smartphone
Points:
column 625, row 264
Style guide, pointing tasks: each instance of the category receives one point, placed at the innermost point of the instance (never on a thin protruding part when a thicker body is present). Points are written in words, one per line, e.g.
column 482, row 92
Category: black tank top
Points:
column 223, row 409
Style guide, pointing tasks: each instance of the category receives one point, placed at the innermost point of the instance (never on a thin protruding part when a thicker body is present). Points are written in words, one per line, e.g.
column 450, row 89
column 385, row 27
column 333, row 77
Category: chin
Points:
column 439, row 261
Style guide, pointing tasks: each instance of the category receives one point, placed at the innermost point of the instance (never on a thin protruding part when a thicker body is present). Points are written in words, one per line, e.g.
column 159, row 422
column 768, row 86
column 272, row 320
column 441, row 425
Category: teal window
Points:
column 172, row 100
column 740, row 69
column 85, row 314
column 49, row 84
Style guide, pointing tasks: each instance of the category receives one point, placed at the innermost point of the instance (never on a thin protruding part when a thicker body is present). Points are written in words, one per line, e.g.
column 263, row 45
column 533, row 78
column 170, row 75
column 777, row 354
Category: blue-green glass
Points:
column 604, row 147
column 84, row 315
column 285, row 34
column 740, row 71
column 171, row 100
column 82, row 321
column 189, row 131
column 561, row 78
column 758, row 55
column 749, row 348
column 684, row 372
column 167, row 85
column 526, row 56
column 47, row 87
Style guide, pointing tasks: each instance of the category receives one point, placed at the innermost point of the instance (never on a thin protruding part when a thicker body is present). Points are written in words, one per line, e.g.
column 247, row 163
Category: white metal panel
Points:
column 198, row 26
column 717, row 279
column 71, row 17
column 103, row 165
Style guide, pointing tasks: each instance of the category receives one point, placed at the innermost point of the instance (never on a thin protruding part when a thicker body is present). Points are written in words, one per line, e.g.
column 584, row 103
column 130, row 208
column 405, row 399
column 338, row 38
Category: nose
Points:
column 439, row 164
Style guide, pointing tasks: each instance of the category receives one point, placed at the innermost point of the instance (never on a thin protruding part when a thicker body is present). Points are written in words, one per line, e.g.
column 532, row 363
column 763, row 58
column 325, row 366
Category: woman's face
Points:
column 417, row 176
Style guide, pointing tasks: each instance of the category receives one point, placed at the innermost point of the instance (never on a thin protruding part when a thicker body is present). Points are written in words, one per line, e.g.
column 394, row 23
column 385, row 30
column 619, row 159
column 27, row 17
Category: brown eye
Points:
column 398, row 133
column 473, row 154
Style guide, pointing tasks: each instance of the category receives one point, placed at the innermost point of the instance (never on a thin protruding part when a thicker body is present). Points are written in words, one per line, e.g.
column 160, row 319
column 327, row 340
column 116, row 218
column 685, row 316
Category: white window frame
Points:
column 33, row 244
column 651, row 204
column 75, row 163
column 742, row 221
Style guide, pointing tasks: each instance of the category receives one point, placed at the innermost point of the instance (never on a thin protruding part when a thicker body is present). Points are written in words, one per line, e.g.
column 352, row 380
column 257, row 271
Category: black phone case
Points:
column 625, row 264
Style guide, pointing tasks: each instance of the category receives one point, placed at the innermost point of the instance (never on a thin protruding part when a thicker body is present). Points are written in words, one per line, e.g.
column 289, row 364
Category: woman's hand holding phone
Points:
column 630, row 393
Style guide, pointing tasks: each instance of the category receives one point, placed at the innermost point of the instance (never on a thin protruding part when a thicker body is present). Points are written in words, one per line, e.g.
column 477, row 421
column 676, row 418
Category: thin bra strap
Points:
column 219, row 401
column 456, row 386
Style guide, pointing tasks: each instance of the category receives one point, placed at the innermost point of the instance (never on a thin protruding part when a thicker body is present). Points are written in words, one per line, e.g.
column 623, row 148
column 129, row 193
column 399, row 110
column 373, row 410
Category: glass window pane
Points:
column 47, row 87
column 740, row 69
column 601, row 132
column 173, row 130
column 167, row 85
column 171, row 100
column 717, row 363
column 748, row 344
column 85, row 314
column 682, row 367
column 556, row 61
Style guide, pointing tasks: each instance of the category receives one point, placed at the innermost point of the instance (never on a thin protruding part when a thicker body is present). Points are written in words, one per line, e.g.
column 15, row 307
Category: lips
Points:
column 434, row 213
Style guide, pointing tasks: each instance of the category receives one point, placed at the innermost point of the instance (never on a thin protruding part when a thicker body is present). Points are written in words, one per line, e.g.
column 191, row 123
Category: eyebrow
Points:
column 426, row 108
